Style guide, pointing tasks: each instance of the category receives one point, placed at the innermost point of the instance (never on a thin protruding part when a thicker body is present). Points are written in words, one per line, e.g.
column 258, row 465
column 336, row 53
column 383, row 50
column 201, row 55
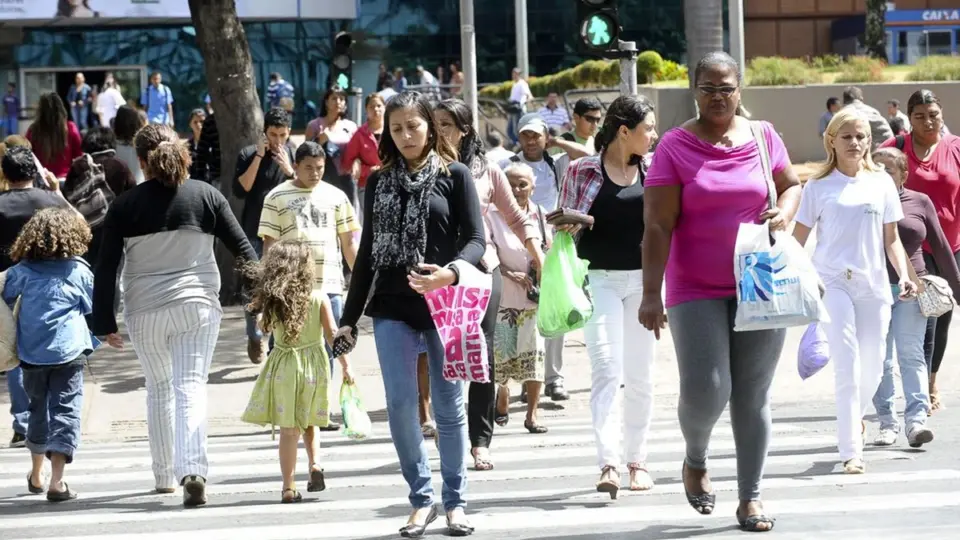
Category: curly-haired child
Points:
column 291, row 390
column 55, row 289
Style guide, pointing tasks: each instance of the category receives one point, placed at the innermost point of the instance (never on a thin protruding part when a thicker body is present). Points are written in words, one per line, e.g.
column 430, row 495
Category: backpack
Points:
column 901, row 141
column 89, row 193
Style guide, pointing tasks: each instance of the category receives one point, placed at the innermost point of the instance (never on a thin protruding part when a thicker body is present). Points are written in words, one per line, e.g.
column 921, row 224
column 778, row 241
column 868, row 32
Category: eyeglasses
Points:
column 592, row 119
column 725, row 91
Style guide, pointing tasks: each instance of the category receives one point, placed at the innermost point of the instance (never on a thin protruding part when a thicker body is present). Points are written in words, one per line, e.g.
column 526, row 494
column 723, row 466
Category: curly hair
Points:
column 52, row 233
column 283, row 283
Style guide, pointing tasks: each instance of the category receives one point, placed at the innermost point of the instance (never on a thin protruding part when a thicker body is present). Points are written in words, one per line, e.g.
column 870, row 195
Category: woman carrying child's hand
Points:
column 113, row 340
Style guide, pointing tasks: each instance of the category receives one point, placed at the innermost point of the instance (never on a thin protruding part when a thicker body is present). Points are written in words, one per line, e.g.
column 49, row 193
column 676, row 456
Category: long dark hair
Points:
column 127, row 123
column 49, row 130
column 65, row 8
column 471, row 152
column 626, row 111
column 390, row 155
column 326, row 96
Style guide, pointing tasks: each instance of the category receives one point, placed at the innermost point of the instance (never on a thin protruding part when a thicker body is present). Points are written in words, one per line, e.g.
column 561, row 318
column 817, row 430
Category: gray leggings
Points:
column 718, row 365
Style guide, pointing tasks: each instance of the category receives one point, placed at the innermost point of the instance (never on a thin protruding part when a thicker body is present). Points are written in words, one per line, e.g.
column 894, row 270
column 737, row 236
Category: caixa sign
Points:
column 941, row 15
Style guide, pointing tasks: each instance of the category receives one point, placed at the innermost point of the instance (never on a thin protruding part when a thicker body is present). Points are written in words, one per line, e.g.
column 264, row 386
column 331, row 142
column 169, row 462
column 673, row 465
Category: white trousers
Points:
column 175, row 346
column 621, row 351
column 857, row 336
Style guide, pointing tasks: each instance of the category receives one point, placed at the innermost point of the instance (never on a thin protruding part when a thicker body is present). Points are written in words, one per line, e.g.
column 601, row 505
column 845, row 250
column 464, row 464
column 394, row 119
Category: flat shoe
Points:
column 751, row 522
column 535, row 428
column 294, row 498
column 316, row 483
column 32, row 488
column 703, row 503
column 459, row 529
column 61, row 496
column 413, row 530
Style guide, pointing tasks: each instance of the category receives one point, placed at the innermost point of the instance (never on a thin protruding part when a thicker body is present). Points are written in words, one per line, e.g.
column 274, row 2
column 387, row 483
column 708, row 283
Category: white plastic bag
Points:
column 777, row 285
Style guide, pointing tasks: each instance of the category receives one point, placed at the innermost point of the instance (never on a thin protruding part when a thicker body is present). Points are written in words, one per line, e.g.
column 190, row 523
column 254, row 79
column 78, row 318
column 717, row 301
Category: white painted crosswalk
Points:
column 542, row 487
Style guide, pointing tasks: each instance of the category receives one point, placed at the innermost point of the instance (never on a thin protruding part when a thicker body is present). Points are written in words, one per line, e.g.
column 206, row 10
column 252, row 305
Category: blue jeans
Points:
column 907, row 327
column 79, row 116
column 11, row 125
column 397, row 347
column 56, row 399
column 336, row 305
column 19, row 401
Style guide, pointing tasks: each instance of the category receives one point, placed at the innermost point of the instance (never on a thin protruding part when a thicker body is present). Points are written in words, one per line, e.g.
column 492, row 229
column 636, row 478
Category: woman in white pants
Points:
column 609, row 187
column 856, row 208
column 165, row 229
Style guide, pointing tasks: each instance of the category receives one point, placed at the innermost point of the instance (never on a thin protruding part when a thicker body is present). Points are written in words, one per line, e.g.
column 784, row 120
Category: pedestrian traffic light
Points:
column 342, row 62
column 599, row 25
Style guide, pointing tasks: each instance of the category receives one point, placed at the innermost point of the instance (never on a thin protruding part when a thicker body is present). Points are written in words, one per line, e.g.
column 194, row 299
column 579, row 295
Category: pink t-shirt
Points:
column 721, row 188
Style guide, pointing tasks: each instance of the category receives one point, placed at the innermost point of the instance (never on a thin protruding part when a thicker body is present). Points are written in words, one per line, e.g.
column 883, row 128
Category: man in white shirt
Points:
column 109, row 102
column 554, row 114
column 894, row 111
column 517, row 106
column 495, row 150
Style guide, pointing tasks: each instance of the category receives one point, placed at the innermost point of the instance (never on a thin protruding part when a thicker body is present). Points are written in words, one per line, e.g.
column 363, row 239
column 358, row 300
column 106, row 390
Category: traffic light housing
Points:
column 599, row 26
column 341, row 65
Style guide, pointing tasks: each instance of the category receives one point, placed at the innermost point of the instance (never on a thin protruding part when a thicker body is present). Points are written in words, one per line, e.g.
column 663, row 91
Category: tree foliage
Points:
column 875, row 36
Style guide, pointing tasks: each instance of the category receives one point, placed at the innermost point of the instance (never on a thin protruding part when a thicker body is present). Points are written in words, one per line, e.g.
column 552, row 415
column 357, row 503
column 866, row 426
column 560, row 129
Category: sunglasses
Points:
column 592, row 119
column 725, row 91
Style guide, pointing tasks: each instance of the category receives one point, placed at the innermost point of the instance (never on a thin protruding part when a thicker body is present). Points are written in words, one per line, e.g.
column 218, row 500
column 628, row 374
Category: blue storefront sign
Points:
column 923, row 17
column 915, row 33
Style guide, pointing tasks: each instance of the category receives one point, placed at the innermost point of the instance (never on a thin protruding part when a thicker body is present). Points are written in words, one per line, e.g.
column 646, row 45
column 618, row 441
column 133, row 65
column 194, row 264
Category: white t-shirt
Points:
column 850, row 214
column 520, row 92
column 546, row 192
column 108, row 103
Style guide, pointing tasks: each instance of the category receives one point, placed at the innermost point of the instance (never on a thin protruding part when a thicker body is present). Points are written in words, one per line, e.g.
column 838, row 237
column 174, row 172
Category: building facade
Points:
column 42, row 53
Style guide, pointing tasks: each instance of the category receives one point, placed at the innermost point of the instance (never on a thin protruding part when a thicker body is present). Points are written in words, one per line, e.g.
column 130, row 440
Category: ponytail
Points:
column 169, row 163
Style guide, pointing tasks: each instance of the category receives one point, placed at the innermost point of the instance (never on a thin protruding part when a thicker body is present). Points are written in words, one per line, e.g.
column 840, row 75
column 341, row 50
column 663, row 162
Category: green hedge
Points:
column 594, row 74
column 861, row 69
column 936, row 68
column 779, row 71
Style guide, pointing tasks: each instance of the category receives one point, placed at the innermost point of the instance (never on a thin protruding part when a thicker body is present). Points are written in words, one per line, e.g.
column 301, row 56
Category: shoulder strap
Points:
column 553, row 167
column 568, row 136
column 759, row 136
column 515, row 158
column 901, row 142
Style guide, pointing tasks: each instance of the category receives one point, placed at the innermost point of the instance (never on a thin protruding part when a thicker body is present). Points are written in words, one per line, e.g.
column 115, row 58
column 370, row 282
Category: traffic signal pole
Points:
column 628, row 67
column 523, row 37
column 468, row 62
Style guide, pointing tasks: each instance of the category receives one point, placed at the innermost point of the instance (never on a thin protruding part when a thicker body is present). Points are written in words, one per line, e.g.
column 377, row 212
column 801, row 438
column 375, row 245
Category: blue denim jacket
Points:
column 55, row 295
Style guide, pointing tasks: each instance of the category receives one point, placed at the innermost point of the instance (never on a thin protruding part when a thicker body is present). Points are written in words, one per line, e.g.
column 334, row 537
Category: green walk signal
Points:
column 343, row 81
column 598, row 31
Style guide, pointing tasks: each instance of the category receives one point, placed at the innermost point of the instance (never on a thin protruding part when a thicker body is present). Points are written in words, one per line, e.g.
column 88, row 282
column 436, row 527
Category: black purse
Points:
column 533, row 293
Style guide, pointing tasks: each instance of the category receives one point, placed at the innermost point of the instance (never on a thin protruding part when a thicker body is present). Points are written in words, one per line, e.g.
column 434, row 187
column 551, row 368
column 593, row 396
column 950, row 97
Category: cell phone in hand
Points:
column 342, row 346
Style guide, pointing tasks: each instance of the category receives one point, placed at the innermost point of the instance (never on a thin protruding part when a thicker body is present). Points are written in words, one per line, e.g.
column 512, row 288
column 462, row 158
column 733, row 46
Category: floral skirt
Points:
column 518, row 347
column 291, row 391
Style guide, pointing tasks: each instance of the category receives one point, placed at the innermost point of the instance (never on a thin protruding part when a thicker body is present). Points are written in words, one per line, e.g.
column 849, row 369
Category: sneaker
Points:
column 256, row 351
column 18, row 441
column 919, row 436
column 194, row 491
column 886, row 437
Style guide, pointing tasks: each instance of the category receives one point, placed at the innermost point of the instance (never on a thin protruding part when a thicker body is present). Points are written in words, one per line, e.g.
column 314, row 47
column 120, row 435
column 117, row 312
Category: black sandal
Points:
column 751, row 523
column 316, row 482
column 703, row 503
column 534, row 427
column 459, row 529
column 297, row 496
column 414, row 530
column 61, row 496
column 32, row 488
column 502, row 418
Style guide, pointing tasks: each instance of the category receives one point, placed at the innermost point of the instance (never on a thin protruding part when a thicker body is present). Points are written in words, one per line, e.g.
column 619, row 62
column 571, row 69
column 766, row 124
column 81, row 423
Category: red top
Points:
column 939, row 179
column 363, row 146
column 60, row 165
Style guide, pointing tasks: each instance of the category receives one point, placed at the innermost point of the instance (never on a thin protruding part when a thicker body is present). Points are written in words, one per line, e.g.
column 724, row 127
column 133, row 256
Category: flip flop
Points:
column 479, row 463
column 751, row 523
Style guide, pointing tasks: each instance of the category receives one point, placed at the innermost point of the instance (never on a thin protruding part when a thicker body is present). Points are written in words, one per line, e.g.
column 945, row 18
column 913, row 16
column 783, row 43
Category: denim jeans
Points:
column 19, row 401
column 79, row 116
column 907, row 327
column 397, row 346
column 56, row 399
column 336, row 305
column 11, row 125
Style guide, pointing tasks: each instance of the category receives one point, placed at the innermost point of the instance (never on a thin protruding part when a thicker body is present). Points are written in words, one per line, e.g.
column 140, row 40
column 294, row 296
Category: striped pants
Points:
column 175, row 346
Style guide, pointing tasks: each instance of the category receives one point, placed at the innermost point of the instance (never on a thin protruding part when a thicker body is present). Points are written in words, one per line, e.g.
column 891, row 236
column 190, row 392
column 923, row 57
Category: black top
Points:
column 614, row 241
column 455, row 220
column 208, row 150
column 152, row 208
column 17, row 206
column 269, row 176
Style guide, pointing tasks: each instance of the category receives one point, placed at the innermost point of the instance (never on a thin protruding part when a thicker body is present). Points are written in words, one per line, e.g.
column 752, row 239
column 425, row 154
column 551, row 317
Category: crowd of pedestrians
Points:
column 366, row 220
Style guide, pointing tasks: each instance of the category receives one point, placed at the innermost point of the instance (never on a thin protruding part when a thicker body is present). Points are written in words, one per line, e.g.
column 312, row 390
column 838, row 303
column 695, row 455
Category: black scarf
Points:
column 400, row 239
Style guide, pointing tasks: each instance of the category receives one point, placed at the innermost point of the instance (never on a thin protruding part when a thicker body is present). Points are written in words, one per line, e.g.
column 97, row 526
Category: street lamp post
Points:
column 468, row 48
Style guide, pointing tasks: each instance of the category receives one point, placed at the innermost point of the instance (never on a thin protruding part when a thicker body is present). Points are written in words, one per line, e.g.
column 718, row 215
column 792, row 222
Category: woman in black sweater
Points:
column 423, row 215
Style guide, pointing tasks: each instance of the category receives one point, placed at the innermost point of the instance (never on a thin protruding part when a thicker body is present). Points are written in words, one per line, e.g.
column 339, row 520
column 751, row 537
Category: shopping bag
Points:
column 457, row 311
column 777, row 285
column 356, row 423
column 565, row 300
column 814, row 352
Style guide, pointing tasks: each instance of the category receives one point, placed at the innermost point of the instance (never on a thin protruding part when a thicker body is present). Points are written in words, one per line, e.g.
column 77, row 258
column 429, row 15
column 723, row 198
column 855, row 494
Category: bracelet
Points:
column 260, row 155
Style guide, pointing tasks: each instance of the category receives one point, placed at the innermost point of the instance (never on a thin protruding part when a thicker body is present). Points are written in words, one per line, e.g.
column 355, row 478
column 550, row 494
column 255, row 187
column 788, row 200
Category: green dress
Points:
column 291, row 390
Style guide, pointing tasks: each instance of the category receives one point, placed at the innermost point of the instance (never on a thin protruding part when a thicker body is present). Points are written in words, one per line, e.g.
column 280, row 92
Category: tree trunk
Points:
column 875, row 36
column 703, row 26
column 233, row 93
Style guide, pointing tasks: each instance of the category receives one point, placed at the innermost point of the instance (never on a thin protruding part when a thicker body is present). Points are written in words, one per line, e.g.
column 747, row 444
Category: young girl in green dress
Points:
column 291, row 391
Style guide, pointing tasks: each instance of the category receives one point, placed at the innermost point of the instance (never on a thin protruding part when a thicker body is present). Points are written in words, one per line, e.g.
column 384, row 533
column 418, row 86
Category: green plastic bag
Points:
column 565, row 301
column 356, row 423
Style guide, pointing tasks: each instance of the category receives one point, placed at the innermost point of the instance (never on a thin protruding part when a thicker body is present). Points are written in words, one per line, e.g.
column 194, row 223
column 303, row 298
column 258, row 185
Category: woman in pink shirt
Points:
column 705, row 180
column 56, row 141
column 455, row 123
column 333, row 130
column 362, row 154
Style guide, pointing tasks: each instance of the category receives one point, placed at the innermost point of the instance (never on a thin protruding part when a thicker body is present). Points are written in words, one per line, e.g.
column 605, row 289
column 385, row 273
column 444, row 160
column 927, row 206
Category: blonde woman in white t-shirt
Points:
column 855, row 206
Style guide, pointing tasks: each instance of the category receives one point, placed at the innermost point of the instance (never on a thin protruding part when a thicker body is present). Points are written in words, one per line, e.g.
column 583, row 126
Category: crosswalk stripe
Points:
column 513, row 521
column 560, row 494
column 329, row 454
column 393, row 479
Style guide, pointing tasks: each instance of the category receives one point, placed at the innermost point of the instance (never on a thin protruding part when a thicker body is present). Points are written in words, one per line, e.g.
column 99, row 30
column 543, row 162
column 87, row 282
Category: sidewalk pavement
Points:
column 115, row 399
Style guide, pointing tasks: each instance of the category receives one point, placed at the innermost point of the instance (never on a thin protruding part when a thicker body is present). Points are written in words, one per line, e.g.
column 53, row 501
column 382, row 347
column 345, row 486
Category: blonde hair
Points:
column 847, row 115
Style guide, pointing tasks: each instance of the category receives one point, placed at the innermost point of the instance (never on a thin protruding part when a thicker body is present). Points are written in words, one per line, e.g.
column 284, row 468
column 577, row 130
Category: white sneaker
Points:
column 886, row 437
column 919, row 436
